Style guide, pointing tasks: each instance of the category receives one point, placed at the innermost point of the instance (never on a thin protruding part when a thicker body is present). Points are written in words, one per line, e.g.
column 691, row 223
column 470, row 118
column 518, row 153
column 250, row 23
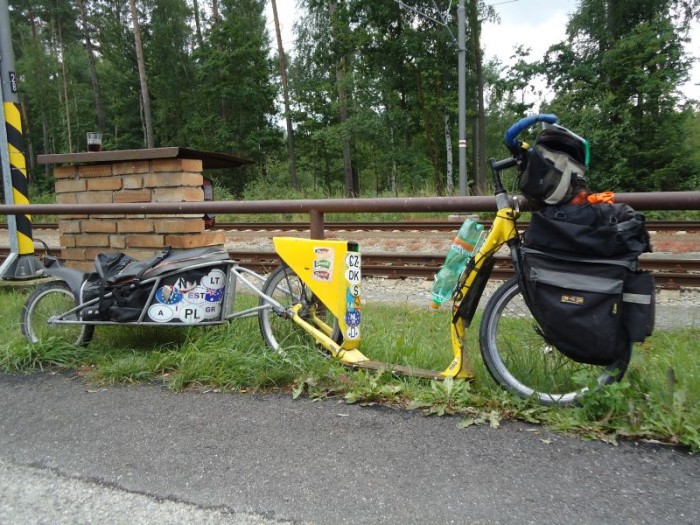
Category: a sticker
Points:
column 160, row 313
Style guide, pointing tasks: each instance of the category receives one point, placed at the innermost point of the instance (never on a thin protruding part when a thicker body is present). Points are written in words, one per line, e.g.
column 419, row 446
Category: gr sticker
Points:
column 212, row 310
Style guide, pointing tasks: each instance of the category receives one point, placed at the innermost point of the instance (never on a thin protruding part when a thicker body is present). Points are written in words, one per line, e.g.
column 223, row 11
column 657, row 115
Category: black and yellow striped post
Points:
column 21, row 263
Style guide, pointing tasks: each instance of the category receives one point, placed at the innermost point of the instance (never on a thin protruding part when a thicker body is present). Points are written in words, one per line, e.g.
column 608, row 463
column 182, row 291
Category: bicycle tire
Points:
column 287, row 288
column 520, row 360
column 46, row 301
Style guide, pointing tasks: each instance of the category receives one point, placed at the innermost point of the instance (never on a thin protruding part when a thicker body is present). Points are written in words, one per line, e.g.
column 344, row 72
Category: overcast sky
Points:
column 536, row 24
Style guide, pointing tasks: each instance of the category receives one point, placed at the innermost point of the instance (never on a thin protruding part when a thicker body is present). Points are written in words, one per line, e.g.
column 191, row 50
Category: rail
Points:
column 670, row 273
column 317, row 208
column 436, row 225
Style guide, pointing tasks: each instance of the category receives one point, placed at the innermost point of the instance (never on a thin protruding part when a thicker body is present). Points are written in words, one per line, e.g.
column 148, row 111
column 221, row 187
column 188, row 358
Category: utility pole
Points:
column 21, row 263
column 460, row 43
column 462, row 86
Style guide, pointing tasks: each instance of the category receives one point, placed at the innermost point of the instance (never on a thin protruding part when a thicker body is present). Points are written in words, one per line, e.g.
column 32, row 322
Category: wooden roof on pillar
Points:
column 210, row 160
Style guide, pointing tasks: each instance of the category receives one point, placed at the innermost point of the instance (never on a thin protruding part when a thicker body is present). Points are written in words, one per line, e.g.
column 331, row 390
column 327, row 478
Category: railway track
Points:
column 670, row 273
column 407, row 226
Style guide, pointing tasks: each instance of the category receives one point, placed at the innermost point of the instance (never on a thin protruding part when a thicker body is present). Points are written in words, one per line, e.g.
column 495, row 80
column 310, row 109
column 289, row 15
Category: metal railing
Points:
column 317, row 208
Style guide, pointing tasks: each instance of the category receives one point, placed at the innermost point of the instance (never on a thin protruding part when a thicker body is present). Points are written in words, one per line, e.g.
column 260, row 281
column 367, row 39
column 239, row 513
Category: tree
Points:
column 616, row 80
column 145, row 98
column 285, row 95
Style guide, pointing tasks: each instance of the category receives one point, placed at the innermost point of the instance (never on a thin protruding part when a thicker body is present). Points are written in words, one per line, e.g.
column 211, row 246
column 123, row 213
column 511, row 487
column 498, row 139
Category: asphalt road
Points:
column 73, row 453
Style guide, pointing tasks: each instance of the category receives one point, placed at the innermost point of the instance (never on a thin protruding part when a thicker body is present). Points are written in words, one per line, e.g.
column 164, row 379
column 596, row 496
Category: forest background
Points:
column 367, row 103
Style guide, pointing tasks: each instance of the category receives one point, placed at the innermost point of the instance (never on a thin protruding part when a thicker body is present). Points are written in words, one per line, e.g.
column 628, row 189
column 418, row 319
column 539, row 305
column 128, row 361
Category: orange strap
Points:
column 606, row 197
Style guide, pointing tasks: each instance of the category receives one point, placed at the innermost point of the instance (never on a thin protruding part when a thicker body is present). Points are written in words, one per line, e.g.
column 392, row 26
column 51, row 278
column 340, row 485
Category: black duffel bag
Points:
column 582, row 282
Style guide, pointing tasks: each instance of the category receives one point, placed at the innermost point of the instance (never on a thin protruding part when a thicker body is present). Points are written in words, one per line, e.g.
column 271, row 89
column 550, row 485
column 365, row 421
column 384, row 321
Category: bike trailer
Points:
column 582, row 280
column 173, row 287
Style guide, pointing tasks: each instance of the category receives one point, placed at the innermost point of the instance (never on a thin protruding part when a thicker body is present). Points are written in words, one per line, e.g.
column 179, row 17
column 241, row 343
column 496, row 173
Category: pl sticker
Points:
column 191, row 314
column 212, row 310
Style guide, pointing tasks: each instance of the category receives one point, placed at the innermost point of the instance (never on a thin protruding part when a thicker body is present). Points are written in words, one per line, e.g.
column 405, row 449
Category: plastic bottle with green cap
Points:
column 463, row 247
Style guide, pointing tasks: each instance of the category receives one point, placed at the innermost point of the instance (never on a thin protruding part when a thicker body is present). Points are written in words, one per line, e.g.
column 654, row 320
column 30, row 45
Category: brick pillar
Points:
column 82, row 237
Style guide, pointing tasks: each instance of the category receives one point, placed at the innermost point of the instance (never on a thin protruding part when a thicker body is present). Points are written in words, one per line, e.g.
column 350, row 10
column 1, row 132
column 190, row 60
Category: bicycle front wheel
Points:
column 519, row 359
column 46, row 301
column 278, row 330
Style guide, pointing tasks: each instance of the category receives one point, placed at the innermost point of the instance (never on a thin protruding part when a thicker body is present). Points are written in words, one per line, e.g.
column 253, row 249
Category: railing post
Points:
column 317, row 224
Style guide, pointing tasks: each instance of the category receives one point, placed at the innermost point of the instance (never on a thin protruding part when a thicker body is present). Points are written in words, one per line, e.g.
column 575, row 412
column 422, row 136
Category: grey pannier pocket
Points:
column 638, row 306
column 578, row 305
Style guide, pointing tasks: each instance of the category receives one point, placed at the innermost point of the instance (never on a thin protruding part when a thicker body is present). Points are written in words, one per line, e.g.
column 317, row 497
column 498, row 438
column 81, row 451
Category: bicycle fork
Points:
column 471, row 287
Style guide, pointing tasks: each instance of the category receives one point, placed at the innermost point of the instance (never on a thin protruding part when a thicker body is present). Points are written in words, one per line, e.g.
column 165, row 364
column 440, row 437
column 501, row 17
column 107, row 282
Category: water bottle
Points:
column 463, row 247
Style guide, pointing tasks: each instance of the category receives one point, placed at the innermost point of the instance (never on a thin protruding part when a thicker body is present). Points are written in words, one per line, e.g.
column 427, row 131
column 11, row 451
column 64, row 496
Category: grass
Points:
column 659, row 398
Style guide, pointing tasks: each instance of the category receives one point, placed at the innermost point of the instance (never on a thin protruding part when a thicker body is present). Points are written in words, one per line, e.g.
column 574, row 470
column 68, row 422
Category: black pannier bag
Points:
column 122, row 297
column 582, row 280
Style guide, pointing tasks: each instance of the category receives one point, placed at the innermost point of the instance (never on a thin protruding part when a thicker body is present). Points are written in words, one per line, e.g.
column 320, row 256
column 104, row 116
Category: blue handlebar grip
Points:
column 511, row 135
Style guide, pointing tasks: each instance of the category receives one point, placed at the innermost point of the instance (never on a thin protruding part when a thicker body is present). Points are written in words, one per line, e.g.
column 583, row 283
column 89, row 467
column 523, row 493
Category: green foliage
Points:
column 373, row 90
column 616, row 82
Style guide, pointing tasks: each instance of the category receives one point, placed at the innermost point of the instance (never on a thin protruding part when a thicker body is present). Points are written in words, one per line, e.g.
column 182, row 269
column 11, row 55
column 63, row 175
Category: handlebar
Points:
column 511, row 135
column 515, row 147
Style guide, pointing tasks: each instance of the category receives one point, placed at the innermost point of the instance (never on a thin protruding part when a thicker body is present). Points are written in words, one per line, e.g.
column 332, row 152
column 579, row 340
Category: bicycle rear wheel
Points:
column 47, row 301
column 278, row 330
column 520, row 360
